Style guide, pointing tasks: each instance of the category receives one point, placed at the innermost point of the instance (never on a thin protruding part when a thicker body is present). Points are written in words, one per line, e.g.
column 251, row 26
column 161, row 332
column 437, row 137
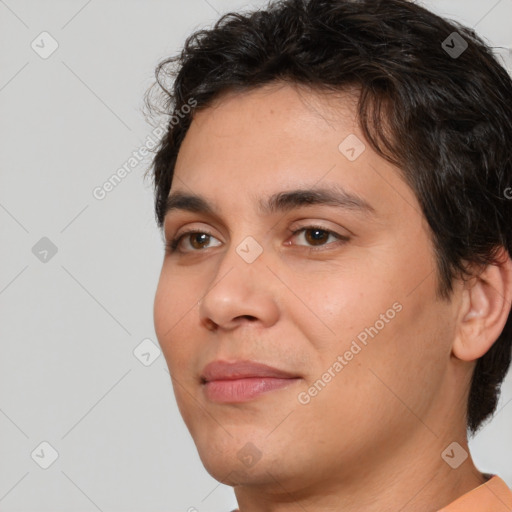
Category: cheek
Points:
column 174, row 308
column 404, row 360
column 174, row 302
column 173, row 312
column 389, row 381
column 337, row 306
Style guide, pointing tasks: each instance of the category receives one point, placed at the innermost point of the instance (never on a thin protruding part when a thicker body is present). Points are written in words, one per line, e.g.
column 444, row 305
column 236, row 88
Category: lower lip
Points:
column 242, row 390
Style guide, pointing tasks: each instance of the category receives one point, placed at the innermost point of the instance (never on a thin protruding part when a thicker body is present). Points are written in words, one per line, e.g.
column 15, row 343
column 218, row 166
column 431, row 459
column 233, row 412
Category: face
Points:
column 338, row 295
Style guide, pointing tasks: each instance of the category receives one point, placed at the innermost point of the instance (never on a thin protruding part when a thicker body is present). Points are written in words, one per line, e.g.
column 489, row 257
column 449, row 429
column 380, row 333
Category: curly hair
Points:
column 444, row 118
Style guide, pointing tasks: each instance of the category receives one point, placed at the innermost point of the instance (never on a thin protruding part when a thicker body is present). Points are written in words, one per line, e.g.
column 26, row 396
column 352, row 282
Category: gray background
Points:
column 70, row 322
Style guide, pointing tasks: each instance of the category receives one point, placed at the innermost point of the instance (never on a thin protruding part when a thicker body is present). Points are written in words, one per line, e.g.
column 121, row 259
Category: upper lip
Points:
column 223, row 370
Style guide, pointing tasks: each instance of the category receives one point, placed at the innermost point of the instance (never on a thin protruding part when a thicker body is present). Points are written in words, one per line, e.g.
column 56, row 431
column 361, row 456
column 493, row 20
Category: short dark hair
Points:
column 442, row 116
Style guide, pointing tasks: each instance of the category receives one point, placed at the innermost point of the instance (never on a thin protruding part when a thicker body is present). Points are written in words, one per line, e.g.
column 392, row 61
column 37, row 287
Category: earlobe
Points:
column 485, row 307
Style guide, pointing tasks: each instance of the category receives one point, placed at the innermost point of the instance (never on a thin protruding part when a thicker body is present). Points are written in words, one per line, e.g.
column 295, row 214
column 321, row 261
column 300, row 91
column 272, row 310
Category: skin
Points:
column 372, row 438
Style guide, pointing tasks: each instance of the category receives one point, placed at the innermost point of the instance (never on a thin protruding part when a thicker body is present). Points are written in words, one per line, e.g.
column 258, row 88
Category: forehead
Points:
column 251, row 144
column 279, row 105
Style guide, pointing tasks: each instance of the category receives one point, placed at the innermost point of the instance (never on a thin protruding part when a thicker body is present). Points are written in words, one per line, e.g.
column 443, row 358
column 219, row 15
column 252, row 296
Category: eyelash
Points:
column 172, row 245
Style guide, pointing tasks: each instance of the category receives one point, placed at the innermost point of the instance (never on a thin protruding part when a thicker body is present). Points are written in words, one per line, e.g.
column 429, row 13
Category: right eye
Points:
column 199, row 237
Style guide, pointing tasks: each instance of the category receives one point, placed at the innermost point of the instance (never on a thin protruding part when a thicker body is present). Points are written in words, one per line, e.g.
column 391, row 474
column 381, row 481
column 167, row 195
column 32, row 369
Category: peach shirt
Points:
column 492, row 496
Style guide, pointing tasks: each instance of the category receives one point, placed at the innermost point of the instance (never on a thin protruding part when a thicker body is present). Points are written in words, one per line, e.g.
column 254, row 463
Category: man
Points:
column 334, row 301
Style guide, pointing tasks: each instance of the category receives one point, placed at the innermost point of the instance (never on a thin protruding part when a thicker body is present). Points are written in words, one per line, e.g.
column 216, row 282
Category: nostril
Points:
column 209, row 324
column 248, row 317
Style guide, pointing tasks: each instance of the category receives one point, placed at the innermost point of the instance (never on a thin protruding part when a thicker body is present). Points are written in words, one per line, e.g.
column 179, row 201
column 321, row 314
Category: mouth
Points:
column 242, row 381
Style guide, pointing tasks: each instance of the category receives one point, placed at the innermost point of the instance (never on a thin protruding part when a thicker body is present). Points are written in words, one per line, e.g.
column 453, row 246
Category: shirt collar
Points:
column 492, row 496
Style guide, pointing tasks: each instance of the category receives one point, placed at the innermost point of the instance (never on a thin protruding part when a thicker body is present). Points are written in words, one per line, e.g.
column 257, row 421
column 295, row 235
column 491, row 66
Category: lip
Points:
column 240, row 381
column 223, row 370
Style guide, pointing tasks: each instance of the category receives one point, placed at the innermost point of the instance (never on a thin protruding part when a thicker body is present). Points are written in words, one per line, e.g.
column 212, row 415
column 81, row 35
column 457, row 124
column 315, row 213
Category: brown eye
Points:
column 318, row 236
column 198, row 240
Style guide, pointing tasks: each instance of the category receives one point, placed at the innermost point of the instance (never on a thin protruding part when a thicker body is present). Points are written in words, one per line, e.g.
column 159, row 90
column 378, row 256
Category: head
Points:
column 407, row 278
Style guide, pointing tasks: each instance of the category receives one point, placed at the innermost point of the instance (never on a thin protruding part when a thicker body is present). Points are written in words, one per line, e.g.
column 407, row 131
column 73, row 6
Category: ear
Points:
column 485, row 307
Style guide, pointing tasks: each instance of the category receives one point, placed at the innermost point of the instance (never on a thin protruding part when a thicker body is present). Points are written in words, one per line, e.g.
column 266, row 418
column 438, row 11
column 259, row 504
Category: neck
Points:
column 423, row 482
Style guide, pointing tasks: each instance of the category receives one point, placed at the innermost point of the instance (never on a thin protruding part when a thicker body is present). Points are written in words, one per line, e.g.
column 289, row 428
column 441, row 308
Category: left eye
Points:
column 317, row 236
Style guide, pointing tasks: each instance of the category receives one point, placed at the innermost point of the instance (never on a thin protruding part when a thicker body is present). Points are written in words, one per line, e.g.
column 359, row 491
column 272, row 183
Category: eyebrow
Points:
column 279, row 202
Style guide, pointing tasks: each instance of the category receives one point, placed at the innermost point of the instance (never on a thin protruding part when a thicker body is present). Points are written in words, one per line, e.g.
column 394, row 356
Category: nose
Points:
column 240, row 292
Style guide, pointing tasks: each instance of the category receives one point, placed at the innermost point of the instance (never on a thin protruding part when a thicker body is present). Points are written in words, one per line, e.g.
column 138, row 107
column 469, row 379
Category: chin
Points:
column 229, row 470
column 234, row 460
